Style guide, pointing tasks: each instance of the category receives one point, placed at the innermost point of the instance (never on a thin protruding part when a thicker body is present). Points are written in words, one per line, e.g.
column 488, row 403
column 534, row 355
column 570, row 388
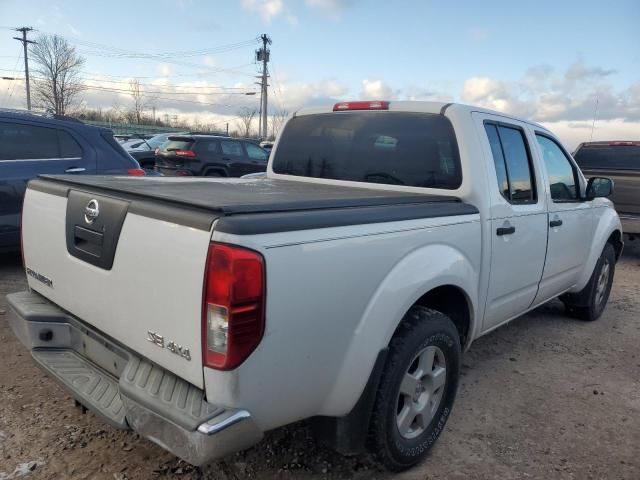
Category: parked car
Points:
column 210, row 156
column 35, row 144
column 342, row 287
column 619, row 160
column 267, row 145
column 144, row 151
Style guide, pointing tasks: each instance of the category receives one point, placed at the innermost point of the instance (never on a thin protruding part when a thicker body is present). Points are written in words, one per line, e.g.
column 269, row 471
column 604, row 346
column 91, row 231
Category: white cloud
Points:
column 376, row 90
column 164, row 70
column 573, row 133
column 267, row 9
column 544, row 94
column 330, row 8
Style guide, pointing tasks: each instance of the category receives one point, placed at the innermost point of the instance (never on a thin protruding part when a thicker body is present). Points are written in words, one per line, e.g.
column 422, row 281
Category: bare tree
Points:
column 245, row 120
column 138, row 100
column 277, row 121
column 58, row 65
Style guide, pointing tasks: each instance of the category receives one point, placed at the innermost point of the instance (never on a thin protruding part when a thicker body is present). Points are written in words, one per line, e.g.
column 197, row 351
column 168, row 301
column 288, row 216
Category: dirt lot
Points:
column 544, row 397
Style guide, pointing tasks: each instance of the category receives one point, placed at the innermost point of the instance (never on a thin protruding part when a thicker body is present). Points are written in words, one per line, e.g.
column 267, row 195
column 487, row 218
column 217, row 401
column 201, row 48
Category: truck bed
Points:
column 283, row 205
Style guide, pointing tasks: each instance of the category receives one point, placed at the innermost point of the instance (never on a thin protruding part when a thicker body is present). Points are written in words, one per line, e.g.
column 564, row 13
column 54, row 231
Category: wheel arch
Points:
column 455, row 303
column 607, row 230
column 215, row 168
column 437, row 276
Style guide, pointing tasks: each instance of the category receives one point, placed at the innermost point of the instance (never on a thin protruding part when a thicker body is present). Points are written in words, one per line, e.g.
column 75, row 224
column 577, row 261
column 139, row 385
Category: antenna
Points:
column 595, row 115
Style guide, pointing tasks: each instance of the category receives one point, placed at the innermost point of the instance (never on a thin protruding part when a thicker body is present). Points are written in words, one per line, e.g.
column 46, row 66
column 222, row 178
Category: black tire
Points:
column 421, row 328
column 589, row 303
column 213, row 173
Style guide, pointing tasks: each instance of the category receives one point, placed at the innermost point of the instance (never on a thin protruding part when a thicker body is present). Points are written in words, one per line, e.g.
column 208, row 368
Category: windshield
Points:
column 397, row 148
column 609, row 156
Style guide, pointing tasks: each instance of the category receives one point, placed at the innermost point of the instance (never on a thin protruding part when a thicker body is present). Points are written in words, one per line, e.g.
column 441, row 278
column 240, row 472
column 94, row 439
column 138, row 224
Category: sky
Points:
column 559, row 63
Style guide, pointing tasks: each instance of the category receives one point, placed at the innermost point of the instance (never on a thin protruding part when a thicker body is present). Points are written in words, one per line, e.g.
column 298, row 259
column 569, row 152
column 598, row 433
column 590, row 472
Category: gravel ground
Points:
column 543, row 397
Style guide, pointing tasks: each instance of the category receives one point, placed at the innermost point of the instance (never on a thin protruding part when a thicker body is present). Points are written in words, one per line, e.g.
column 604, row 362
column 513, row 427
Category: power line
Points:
column 153, row 96
column 9, row 93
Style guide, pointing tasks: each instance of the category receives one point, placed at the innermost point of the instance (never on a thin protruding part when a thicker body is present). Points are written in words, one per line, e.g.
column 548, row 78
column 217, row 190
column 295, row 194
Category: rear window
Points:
column 173, row 145
column 609, row 156
column 396, row 148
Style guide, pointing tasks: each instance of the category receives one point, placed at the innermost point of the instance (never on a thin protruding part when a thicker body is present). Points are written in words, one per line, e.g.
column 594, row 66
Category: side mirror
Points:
column 599, row 187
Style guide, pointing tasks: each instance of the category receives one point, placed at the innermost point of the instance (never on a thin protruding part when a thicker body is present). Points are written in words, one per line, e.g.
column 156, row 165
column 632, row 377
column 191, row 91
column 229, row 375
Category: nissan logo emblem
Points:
column 91, row 211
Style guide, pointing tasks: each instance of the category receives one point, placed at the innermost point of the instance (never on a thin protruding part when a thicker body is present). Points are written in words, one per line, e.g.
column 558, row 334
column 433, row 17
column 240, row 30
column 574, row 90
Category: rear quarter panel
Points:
column 334, row 299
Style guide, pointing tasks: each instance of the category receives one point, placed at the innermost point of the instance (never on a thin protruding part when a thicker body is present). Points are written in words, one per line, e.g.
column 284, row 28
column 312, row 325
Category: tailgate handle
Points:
column 88, row 241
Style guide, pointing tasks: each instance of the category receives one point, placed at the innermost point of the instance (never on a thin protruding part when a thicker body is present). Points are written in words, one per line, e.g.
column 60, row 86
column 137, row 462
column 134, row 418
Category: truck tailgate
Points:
column 136, row 278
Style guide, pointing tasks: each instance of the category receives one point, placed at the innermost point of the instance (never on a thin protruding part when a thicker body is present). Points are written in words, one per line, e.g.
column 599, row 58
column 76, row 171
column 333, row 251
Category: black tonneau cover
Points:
column 283, row 205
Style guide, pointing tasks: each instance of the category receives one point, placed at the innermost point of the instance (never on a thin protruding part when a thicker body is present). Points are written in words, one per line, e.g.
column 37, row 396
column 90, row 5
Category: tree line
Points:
column 58, row 89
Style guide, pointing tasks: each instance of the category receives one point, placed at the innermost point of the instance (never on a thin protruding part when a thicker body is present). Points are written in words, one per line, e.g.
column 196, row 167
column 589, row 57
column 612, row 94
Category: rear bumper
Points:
column 630, row 224
column 125, row 390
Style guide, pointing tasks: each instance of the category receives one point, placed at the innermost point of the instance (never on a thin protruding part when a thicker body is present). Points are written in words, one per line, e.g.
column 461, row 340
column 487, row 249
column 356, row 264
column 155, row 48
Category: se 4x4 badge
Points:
column 173, row 347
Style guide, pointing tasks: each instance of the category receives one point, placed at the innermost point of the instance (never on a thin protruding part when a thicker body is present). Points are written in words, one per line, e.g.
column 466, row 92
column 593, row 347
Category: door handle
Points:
column 555, row 223
column 505, row 231
column 75, row 170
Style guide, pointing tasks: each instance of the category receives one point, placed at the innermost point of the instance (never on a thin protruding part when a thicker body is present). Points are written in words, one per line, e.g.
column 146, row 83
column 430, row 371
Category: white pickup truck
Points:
column 343, row 287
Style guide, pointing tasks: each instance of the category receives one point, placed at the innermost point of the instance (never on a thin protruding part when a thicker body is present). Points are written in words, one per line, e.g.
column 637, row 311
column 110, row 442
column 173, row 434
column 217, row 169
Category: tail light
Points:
column 24, row 200
column 135, row 172
column 373, row 105
column 185, row 153
column 233, row 305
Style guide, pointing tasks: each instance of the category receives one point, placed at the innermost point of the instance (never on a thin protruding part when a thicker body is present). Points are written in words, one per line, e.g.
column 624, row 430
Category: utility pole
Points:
column 24, row 41
column 262, row 55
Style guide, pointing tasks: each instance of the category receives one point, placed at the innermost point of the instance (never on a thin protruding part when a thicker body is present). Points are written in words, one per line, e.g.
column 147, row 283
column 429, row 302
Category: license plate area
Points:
column 99, row 351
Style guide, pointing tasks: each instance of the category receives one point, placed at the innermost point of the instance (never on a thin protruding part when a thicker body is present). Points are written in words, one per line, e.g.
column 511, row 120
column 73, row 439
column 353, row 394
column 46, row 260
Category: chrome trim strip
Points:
column 211, row 427
column 41, row 159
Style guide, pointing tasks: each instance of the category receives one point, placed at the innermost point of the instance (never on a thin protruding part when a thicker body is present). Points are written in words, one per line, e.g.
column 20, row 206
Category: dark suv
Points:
column 619, row 160
column 32, row 144
column 210, row 156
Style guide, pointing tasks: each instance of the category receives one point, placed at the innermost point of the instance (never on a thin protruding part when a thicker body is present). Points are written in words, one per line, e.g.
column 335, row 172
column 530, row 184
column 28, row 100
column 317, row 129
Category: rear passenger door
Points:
column 26, row 151
column 518, row 219
column 570, row 219
column 234, row 157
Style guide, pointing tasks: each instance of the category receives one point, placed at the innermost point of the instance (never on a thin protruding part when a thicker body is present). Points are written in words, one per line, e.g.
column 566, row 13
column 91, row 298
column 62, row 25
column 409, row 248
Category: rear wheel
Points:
column 213, row 173
column 596, row 293
column 417, row 389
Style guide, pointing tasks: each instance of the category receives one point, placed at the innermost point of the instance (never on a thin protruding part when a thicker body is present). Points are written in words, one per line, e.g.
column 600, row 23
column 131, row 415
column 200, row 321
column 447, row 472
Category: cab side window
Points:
column 561, row 173
column 513, row 163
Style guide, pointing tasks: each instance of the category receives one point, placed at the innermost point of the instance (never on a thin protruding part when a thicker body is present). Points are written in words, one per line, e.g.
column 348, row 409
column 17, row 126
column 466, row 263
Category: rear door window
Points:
column 27, row 142
column 513, row 162
column 232, row 148
column 69, row 148
column 397, row 148
column 617, row 157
